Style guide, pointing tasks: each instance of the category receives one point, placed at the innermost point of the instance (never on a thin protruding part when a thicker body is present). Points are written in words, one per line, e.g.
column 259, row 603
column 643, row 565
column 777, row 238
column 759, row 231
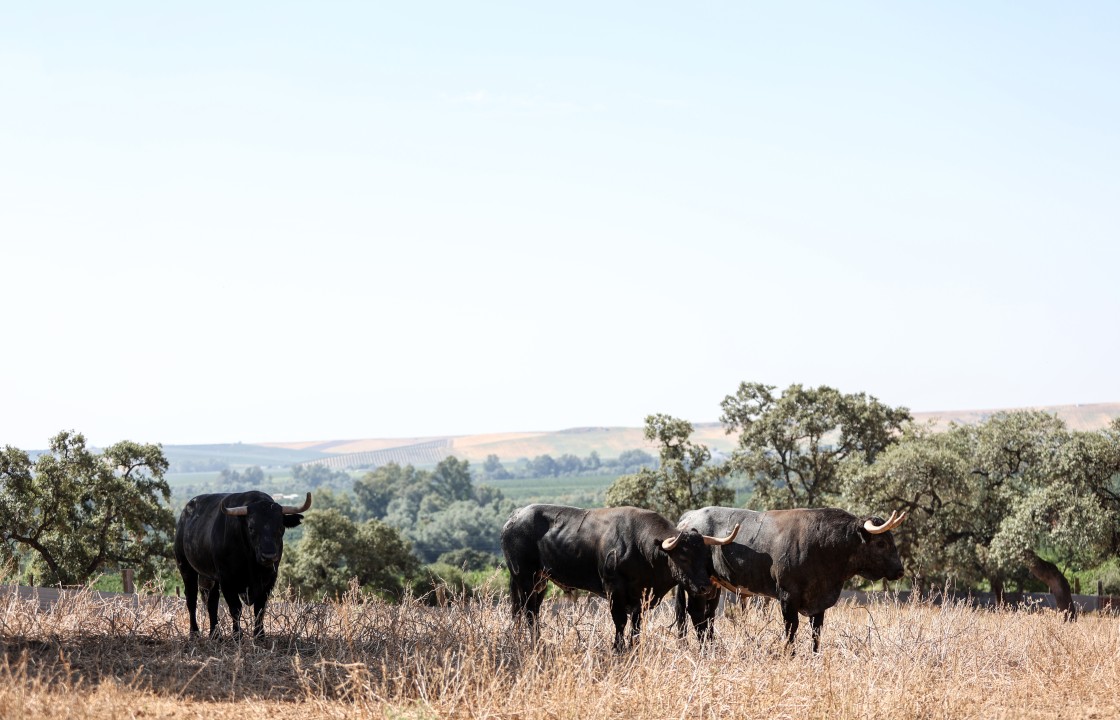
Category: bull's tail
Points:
column 681, row 611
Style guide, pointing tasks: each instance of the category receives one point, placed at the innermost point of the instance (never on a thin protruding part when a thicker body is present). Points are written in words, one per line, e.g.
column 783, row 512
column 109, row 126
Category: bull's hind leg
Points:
column 190, row 591
column 816, row 622
column 526, row 591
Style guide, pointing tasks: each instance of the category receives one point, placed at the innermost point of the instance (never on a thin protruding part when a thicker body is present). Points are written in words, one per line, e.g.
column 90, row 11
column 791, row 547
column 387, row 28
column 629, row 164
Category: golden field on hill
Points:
column 610, row 441
column 94, row 658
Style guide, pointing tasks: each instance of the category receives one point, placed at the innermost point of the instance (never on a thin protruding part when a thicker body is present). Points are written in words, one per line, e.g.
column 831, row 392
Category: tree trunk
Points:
column 997, row 589
column 1049, row 573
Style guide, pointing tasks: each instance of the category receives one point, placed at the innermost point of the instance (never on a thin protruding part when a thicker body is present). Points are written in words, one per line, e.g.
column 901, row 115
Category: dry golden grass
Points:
column 92, row 658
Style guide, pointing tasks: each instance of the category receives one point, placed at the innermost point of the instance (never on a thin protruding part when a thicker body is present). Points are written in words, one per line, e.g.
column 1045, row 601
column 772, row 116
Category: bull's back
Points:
column 561, row 541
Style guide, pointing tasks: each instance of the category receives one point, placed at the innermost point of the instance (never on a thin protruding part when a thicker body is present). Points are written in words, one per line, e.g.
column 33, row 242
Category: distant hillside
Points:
column 1092, row 416
column 607, row 441
column 187, row 458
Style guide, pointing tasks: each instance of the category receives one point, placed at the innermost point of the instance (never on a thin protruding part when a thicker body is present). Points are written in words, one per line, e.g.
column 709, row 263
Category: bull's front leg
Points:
column 620, row 616
column 635, row 624
column 702, row 611
column 816, row 622
column 258, row 615
column 213, row 597
column 789, row 616
column 233, row 600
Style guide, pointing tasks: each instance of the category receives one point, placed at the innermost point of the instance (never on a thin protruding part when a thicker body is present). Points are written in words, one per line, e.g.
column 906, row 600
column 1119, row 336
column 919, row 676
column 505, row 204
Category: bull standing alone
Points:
column 627, row 555
column 802, row 558
column 232, row 544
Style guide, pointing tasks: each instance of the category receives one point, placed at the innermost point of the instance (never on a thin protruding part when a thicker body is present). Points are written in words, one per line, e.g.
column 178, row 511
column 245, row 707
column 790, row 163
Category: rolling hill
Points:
column 607, row 441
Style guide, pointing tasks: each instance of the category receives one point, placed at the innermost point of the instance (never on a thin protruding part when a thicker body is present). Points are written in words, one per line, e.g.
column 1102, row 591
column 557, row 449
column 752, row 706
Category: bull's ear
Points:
column 290, row 521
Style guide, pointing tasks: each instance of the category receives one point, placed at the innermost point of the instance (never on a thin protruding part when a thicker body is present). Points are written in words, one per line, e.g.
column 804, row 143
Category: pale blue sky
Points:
column 286, row 221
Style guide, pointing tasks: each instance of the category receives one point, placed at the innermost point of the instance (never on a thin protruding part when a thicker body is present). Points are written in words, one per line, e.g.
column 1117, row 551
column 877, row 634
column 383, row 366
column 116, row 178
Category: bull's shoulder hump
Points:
column 717, row 520
column 203, row 503
column 547, row 511
column 552, row 509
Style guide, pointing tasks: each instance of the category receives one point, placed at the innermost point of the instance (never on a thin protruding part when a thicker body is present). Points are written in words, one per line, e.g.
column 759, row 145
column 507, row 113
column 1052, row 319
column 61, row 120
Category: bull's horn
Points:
column 236, row 511
column 669, row 543
column 891, row 523
column 292, row 509
column 709, row 540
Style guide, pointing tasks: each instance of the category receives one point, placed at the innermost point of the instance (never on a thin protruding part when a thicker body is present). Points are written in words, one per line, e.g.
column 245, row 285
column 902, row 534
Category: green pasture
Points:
column 578, row 490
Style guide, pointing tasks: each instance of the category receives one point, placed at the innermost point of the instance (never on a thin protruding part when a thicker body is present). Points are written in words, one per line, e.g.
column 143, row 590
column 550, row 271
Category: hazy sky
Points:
column 274, row 221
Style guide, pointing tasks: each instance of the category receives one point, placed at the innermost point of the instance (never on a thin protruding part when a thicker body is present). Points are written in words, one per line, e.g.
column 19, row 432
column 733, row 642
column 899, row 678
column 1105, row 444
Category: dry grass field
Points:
column 118, row 658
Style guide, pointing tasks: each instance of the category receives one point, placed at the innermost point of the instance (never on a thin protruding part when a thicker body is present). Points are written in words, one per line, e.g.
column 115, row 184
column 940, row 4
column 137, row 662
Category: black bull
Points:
column 628, row 555
column 231, row 543
column 802, row 558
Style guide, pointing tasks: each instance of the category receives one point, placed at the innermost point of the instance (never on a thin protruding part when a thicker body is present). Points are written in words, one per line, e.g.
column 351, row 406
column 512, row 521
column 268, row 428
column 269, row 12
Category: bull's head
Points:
column 265, row 523
column 877, row 557
column 688, row 559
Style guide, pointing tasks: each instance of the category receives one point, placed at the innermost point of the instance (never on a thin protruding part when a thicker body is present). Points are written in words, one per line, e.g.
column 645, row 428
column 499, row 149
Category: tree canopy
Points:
column 438, row 510
column 792, row 445
column 685, row 478
column 334, row 549
column 76, row 512
column 1016, row 493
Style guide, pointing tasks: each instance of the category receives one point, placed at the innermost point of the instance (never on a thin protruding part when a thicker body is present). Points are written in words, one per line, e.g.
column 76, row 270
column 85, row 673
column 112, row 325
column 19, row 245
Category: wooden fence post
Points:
column 126, row 579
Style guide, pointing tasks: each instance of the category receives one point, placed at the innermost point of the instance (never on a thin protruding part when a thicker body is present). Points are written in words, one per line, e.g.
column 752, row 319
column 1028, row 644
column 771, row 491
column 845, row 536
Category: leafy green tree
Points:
column 437, row 511
column 632, row 461
column 684, row 479
column 493, row 469
column 462, row 524
column 452, row 480
column 544, row 466
column 1016, row 455
column 569, row 464
column 251, row 478
column 928, row 475
column 78, row 512
column 792, row 446
column 335, row 549
column 377, row 489
column 314, row 476
column 328, row 499
column 1058, row 481
column 994, row 500
column 488, row 494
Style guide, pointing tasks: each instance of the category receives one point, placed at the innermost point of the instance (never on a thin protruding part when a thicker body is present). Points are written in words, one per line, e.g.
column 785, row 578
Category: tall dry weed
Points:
column 89, row 657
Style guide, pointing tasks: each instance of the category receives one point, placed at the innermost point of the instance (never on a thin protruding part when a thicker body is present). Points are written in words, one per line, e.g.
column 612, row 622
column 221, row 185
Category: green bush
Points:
column 1107, row 572
column 469, row 559
column 440, row 584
